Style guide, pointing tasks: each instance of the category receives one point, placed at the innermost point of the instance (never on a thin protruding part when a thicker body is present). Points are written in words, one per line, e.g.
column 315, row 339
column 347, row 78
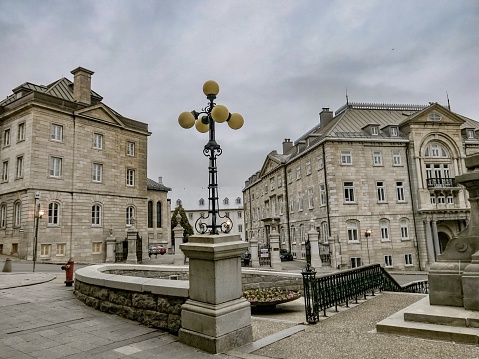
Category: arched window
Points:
column 158, row 214
column 178, row 202
column 96, row 214
column 404, row 225
column 17, row 214
column 238, row 200
column 3, row 216
column 226, row 201
column 325, row 232
column 130, row 215
column 353, row 233
column 435, row 150
column 150, row 214
column 53, row 214
column 384, row 227
column 202, row 202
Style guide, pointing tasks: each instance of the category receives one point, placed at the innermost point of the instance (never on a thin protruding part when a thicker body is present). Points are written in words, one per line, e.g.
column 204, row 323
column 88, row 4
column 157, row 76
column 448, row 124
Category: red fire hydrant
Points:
column 68, row 268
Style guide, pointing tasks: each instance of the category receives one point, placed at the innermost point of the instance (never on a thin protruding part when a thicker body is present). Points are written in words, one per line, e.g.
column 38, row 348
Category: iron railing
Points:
column 343, row 287
column 441, row 182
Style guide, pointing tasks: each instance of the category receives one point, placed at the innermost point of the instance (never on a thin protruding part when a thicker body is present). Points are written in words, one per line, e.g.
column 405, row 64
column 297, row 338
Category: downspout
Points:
column 327, row 192
column 286, row 201
column 413, row 207
column 73, row 176
column 250, row 213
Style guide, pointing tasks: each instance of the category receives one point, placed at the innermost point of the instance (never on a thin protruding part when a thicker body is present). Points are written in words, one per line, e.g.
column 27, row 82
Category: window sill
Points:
column 385, row 241
column 349, row 203
column 354, row 242
column 405, row 239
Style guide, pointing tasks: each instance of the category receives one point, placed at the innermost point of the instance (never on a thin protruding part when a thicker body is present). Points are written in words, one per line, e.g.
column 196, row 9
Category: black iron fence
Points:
column 264, row 256
column 339, row 288
column 121, row 250
column 441, row 182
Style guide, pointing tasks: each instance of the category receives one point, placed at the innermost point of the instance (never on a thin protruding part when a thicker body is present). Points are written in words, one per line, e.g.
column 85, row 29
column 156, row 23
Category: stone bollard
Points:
column 7, row 267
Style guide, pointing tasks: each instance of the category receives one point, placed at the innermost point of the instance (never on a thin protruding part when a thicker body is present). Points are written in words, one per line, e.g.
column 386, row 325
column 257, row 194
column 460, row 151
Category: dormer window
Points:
column 434, row 117
column 178, row 202
column 226, row 201
column 374, row 130
column 202, row 202
column 470, row 133
column 393, row 131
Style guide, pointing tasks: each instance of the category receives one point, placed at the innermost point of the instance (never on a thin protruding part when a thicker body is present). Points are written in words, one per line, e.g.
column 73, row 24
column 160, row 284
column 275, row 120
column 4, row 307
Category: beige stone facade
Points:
column 85, row 163
column 387, row 168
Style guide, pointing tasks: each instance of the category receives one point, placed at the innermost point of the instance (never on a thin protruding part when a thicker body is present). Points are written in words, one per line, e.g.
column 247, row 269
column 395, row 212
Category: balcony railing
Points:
column 441, row 182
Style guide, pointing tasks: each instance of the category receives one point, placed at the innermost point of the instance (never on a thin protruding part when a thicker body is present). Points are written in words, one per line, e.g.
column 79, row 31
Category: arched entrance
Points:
column 443, row 240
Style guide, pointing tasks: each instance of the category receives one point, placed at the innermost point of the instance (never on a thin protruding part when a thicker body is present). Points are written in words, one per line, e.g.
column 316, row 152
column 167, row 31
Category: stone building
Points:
column 83, row 164
column 375, row 180
column 195, row 203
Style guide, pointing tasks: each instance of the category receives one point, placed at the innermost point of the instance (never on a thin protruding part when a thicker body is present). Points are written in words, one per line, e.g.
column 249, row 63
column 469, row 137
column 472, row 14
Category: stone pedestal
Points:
column 179, row 255
column 313, row 236
column 470, row 284
column 110, row 249
column 215, row 318
column 445, row 283
column 131, row 236
column 275, row 254
column 254, row 252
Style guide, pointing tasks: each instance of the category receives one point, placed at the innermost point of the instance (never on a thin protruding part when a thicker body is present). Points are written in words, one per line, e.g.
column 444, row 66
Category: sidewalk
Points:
column 46, row 321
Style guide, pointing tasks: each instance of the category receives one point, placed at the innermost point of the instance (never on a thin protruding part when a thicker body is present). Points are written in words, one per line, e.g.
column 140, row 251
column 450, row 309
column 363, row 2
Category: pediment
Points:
column 271, row 163
column 101, row 113
column 433, row 115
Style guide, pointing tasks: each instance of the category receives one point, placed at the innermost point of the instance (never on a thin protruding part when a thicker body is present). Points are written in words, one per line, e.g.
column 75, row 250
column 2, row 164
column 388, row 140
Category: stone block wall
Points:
column 152, row 310
column 265, row 280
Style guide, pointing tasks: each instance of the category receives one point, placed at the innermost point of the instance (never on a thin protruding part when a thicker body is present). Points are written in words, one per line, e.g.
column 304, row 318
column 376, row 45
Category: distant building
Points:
column 195, row 203
column 85, row 162
column 387, row 168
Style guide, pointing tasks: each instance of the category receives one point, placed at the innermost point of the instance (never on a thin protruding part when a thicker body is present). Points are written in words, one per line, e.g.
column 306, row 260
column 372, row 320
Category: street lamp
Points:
column 38, row 214
column 204, row 121
column 367, row 234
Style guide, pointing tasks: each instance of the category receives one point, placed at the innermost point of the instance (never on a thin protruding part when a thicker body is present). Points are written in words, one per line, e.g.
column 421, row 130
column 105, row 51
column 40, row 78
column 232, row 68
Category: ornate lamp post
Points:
column 204, row 121
column 367, row 233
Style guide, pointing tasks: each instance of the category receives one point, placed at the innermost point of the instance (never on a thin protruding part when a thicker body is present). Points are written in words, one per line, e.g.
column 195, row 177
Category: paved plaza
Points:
column 40, row 318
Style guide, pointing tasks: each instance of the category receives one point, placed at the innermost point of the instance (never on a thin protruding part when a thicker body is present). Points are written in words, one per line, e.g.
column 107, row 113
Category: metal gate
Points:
column 139, row 250
column 324, row 253
column 264, row 256
column 121, row 251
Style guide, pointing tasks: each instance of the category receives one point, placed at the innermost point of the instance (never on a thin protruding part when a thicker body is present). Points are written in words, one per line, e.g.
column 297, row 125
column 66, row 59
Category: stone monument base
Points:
column 423, row 320
column 216, row 328
column 445, row 283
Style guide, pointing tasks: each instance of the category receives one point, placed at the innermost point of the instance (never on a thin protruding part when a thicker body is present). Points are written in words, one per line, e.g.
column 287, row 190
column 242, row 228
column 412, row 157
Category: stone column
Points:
column 429, row 243
column 110, row 248
column 254, row 252
column 435, row 238
column 215, row 318
column 313, row 236
column 274, row 243
column 178, row 233
column 131, row 236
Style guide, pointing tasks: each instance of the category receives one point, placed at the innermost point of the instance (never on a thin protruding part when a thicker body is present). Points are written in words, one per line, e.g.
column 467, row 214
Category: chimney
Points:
column 160, row 180
column 287, row 146
column 82, row 85
column 325, row 117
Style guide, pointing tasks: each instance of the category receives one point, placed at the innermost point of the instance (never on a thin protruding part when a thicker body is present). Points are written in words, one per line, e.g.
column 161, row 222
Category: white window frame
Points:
column 404, row 229
column 325, row 232
column 130, row 177
column 450, row 199
column 240, row 228
column 56, row 132
column 96, row 215
column 356, row 262
column 130, row 148
column 97, row 172
column 394, row 132
column 353, row 231
column 400, row 191
column 53, row 214
column 388, row 261
column 55, row 167
column 322, row 195
column 320, row 163
column 374, row 130
column 96, row 247
column 470, row 134
column 45, row 250
column 346, row 158
column 5, row 171
column 408, row 260
column 397, row 161
column 17, row 214
column 60, row 249
column 19, row 167
column 300, row 201
column 377, row 158
column 280, row 181
column 298, row 173
column 308, row 168
column 349, row 192
column 21, row 132
column 97, row 141
column 6, row 137
column 310, row 198
column 380, row 192
column 129, row 215
column 384, row 230
column 3, row 216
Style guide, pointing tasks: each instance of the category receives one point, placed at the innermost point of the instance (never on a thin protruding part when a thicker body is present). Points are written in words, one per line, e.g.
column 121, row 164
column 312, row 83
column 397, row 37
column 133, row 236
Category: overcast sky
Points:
column 277, row 62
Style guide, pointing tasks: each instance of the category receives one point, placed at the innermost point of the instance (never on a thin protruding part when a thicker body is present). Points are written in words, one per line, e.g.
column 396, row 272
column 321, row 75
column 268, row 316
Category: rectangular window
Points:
column 300, row 201
column 17, row 214
column 3, row 216
column 470, row 134
column 394, row 131
column 96, row 215
column 281, row 205
column 130, row 177
column 397, row 159
column 290, row 176
column 291, row 204
column 97, row 172
column 310, row 198
column 98, row 141
column 374, row 131
column 377, row 158
column 400, row 191
column 388, row 261
column 355, row 262
column 240, row 215
column 280, row 181
column 56, row 133
column 55, row 167
column 21, row 132
column 450, row 199
column 432, row 198
column 298, row 173
column 322, row 195
column 408, row 259
column 6, row 137
column 53, row 218
column 348, row 192
column 353, row 232
column 61, row 249
column 190, row 216
column 308, row 168
column 381, row 192
column 45, row 250
column 320, row 163
column 441, row 199
column 240, row 228
column 384, row 231
column 404, row 230
column 5, row 171
column 96, row 247
column 346, row 158
column 130, row 148
column 271, row 184
column 20, row 167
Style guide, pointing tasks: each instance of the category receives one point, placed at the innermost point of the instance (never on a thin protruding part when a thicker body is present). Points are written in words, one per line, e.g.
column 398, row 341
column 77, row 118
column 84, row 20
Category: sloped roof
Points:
column 155, row 186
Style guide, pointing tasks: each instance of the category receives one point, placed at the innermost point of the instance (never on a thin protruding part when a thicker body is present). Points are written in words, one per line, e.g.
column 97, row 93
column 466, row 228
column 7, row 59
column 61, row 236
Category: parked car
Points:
column 284, row 255
column 156, row 250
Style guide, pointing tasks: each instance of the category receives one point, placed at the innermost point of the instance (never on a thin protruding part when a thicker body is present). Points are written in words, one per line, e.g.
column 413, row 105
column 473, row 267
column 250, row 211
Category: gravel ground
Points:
column 351, row 334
